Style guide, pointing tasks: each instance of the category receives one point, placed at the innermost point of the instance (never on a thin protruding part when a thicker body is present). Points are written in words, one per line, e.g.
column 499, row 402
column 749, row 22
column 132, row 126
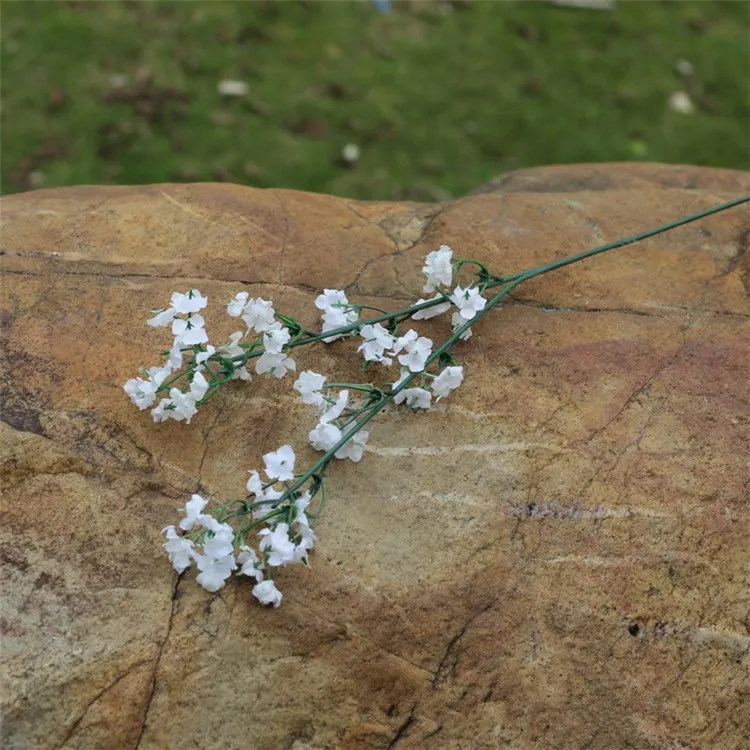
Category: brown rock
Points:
column 555, row 557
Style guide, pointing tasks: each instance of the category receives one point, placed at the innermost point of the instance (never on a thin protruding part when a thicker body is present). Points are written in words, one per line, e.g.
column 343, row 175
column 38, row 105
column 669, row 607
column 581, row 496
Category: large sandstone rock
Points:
column 556, row 557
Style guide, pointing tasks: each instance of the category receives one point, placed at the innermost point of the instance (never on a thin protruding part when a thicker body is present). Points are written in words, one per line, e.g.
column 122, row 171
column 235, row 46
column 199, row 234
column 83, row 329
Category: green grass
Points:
column 439, row 96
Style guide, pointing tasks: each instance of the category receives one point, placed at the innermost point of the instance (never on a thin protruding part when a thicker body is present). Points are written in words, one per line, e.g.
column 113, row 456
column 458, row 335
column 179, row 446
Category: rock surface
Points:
column 555, row 557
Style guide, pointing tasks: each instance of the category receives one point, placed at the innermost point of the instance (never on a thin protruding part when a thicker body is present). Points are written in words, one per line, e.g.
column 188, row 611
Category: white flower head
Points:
column 337, row 409
column 355, row 447
column 179, row 406
column 258, row 315
column 220, row 543
column 468, row 301
column 162, row 317
column 188, row 303
column 251, row 564
column 193, row 510
column 309, row 386
column 324, row 436
column 236, row 307
column 214, row 571
column 280, row 463
column 277, row 364
column 179, row 549
column 376, row 341
column 416, row 350
column 277, row 545
column 190, row 331
column 275, row 338
column 331, row 298
column 457, row 321
column 233, row 349
column 267, row 593
column 416, row 398
column 430, row 312
column 438, row 269
column 448, row 380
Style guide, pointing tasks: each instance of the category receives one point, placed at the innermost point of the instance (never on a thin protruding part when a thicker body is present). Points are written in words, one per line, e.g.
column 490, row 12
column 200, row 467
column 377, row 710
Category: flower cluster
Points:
column 218, row 550
column 278, row 508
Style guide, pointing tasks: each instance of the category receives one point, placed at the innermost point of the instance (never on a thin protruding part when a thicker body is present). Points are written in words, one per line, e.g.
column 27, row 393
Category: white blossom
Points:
column 188, row 303
column 416, row 350
column 334, row 411
column 324, row 436
column 416, row 398
column 189, row 332
column 448, row 380
column 201, row 357
column 468, row 301
column 355, row 447
column 179, row 406
column 255, row 484
column 233, row 349
column 277, row 364
column 214, row 571
column 336, row 311
column 258, row 315
column 251, row 564
column 193, row 510
column 376, row 341
column 309, row 385
column 430, row 312
column 267, row 593
column 457, row 321
column 280, row 463
column 220, row 543
column 162, row 317
column 143, row 392
column 236, row 307
column 331, row 298
column 198, row 386
column 277, row 545
column 275, row 337
column 180, row 550
column 438, row 269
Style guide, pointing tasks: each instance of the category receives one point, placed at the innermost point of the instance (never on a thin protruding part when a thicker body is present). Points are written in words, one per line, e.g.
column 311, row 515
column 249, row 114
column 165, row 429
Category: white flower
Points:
column 355, row 447
column 376, row 341
column 254, row 484
column 280, row 463
column 277, row 364
column 236, row 307
column 198, row 386
column 416, row 350
column 143, row 392
column 221, row 542
column 416, row 398
column 404, row 374
column 308, row 385
column 180, row 550
column 233, row 349
column 189, row 332
column 214, row 571
column 468, row 301
column 250, row 563
column 336, row 410
column 201, row 357
column 324, row 436
column 448, row 380
column 258, row 314
column 275, row 338
column 302, row 527
column 178, row 406
column 280, row 547
column 457, row 321
column 331, row 298
column 162, row 318
column 336, row 312
column 174, row 362
column 267, row 593
column 193, row 509
column 188, row 303
column 438, row 269
column 430, row 312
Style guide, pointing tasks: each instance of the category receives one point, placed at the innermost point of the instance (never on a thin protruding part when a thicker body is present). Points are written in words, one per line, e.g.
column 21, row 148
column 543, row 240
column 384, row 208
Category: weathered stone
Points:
column 555, row 557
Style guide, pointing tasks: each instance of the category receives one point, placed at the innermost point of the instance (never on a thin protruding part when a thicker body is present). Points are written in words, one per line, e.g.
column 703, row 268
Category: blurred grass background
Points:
column 438, row 96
